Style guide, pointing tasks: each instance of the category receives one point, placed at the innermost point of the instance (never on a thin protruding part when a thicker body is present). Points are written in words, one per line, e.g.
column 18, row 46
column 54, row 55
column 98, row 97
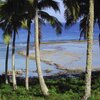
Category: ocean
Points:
column 48, row 34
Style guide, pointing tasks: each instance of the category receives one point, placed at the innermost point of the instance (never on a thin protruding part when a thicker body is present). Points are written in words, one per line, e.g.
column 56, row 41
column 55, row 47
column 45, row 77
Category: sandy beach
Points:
column 66, row 55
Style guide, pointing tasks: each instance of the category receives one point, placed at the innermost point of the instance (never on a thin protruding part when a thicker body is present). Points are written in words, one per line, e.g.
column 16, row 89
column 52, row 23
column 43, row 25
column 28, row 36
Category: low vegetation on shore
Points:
column 61, row 87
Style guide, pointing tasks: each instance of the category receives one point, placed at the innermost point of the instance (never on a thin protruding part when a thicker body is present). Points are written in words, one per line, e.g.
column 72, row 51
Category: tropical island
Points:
column 42, row 58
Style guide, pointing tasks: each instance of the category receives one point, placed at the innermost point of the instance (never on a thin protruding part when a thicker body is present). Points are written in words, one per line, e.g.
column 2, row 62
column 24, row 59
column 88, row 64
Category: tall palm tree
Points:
column 7, row 42
column 7, row 38
column 17, row 22
column 27, row 54
column 43, row 16
column 12, row 12
column 37, row 55
column 86, row 11
column 89, row 51
column 27, row 25
column 39, row 5
column 27, row 15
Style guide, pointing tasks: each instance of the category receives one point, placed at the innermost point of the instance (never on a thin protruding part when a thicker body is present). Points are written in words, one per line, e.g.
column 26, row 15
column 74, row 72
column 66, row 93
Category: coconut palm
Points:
column 37, row 55
column 27, row 25
column 7, row 38
column 86, row 27
column 12, row 12
column 43, row 16
column 38, row 6
column 27, row 55
column 28, row 17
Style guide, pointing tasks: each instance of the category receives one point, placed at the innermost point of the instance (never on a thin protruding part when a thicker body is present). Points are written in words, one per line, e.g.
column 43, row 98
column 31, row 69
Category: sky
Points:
column 60, row 15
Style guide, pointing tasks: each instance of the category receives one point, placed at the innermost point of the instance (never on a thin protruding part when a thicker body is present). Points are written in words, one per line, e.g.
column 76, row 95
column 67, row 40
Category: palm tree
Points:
column 12, row 12
column 7, row 37
column 17, row 22
column 86, row 27
column 28, row 18
column 27, row 25
column 43, row 16
column 37, row 55
column 7, row 42
column 27, row 55
column 89, row 51
column 39, row 5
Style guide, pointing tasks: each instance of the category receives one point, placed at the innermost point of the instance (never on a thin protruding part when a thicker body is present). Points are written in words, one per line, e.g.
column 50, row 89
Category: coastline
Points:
column 55, row 54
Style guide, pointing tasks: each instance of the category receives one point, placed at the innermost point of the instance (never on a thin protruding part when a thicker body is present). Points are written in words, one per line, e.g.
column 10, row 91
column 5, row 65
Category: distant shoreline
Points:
column 52, row 41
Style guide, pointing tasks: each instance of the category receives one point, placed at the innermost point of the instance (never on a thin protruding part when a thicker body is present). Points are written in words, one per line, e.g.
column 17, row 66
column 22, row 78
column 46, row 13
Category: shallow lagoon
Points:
column 20, row 62
column 70, row 55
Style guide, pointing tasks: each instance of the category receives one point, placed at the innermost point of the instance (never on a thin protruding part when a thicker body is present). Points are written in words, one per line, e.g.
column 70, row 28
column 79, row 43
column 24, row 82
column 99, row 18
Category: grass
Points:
column 60, row 88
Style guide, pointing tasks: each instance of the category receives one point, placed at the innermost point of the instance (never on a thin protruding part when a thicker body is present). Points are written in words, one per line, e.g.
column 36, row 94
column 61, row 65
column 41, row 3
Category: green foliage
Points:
column 36, row 90
column 31, row 1
column 69, row 95
column 7, row 38
column 95, row 95
column 60, row 88
column 24, row 24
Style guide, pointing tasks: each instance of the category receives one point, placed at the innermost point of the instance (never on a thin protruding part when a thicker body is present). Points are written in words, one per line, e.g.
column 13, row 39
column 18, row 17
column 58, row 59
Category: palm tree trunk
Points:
column 43, row 86
column 6, row 64
column 39, row 34
column 13, row 62
column 27, row 60
column 89, row 51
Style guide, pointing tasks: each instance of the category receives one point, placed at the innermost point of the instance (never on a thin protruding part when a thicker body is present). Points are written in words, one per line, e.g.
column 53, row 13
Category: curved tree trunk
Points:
column 43, row 86
column 89, row 51
column 6, row 64
column 27, row 60
column 13, row 62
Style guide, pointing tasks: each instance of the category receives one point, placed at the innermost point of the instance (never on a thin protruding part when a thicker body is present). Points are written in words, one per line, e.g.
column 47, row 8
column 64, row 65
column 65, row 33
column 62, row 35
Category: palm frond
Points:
column 71, row 12
column 54, row 22
column 6, row 37
column 84, row 27
column 48, row 4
